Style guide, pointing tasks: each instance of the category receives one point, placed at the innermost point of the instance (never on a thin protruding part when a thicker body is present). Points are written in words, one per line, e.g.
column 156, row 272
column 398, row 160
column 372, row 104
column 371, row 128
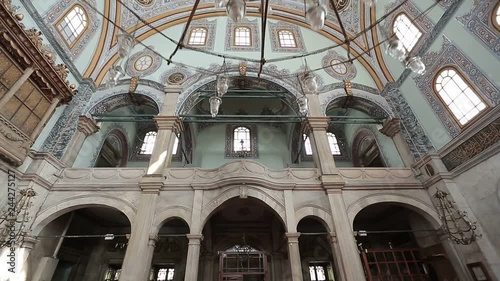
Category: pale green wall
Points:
column 386, row 144
column 210, row 143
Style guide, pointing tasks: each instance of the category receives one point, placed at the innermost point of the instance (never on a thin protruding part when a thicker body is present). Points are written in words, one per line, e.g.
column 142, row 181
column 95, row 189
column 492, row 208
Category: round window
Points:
column 338, row 66
column 143, row 63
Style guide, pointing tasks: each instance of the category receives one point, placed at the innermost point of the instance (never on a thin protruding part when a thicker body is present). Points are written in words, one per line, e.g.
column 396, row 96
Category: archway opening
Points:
column 84, row 244
column 398, row 243
column 316, row 253
column 170, row 252
column 244, row 240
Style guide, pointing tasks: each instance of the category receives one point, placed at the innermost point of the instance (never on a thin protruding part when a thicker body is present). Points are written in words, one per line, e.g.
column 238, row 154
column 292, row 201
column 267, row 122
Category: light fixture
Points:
column 13, row 218
column 396, row 49
column 236, row 9
column 316, row 15
column 222, row 85
column 302, row 101
column 215, row 103
column 115, row 73
column 455, row 223
column 220, row 3
column 416, row 65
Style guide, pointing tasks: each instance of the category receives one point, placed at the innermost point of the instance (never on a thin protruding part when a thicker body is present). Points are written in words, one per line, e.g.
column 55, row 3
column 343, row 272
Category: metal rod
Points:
column 181, row 41
column 239, row 116
column 102, row 235
column 246, row 91
column 120, row 120
column 242, row 121
column 246, row 97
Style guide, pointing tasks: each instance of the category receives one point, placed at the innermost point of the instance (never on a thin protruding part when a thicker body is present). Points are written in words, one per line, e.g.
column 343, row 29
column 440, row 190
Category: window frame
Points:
column 494, row 16
column 191, row 34
column 229, row 147
column 341, row 142
column 413, row 48
column 293, row 37
column 249, row 36
column 79, row 36
column 144, row 56
column 143, row 142
column 471, row 86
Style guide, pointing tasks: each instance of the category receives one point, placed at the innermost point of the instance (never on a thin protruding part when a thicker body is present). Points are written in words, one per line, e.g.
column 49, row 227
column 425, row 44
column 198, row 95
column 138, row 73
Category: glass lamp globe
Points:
column 416, row 65
column 310, row 83
column 316, row 16
column 236, row 9
column 215, row 103
column 303, row 106
column 222, row 85
column 396, row 49
column 220, row 3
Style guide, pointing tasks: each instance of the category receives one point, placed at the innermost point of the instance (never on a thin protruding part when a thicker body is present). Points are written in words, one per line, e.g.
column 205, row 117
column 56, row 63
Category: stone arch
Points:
column 123, row 143
column 249, row 191
column 112, row 101
column 422, row 208
column 173, row 212
column 359, row 136
column 62, row 207
column 318, row 214
column 187, row 99
column 369, row 103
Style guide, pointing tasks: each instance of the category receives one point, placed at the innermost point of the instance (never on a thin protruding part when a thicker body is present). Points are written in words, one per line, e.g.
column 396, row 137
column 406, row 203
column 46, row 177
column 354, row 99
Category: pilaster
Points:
column 392, row 129
column 86, row 127
column 322, row 153
column 168, row 127
column 337, row 257
column 193, row 257
column 294, row 255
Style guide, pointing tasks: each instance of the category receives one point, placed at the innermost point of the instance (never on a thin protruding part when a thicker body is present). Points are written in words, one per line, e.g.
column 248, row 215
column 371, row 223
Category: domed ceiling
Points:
column 157, row 26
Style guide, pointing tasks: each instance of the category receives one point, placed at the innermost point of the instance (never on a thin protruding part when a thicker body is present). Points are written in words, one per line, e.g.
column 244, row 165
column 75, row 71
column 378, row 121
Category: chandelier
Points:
column 13, row 217
column 455, row 222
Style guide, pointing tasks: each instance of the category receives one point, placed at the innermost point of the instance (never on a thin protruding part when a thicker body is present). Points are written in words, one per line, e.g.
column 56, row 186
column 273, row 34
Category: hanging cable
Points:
column 180, row 44
column 264, row 9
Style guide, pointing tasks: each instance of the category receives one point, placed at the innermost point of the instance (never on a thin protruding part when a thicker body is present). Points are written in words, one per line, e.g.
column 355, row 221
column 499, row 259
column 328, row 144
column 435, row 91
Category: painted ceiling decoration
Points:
column 143, row 63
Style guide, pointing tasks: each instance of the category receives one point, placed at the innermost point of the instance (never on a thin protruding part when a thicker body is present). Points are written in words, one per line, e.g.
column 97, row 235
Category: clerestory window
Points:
column 407, row 32
column 73, row 24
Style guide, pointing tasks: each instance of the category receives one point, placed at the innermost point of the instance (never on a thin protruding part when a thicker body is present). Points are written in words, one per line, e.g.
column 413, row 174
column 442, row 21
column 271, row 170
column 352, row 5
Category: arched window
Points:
column 334, row 145
column 456, row 94
column 287, row 39
column 242, row 36
column 406, row 31
column 241, row 139
column 496, row 16
column 73, row 24
column 307, row 145
column 198, row 37
column 149, row 142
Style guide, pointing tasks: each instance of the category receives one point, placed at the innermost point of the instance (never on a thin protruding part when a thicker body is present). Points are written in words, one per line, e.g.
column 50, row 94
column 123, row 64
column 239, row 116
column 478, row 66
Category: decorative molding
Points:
column 210, row 26
column 370, row 178
column 113, row 177
column 451, row 56
column 66, row 125
column 118, row 99
column 478, row 22
column 59, row 10
column 473, row 141
column 254, row 35
column 415, row 136
column 350, row 70
column 274, row 28
column 165, row 76
column 130, row 68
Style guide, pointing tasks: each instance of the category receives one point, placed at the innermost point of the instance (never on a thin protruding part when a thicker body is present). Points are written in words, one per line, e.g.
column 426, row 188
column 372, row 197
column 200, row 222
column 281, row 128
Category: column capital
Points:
column 151, row 184
column 172, row 89
column 332, row 236
column 194, row 239
column 391, row 127
column 173, row 123
column 87, row 125
column 153, row 239
column 332, row 183
column 292, row 237
column 28, row 242
column 318, row 123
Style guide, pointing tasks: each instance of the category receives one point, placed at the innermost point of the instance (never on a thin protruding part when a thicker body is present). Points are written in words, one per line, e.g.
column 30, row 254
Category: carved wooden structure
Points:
column 32, row 85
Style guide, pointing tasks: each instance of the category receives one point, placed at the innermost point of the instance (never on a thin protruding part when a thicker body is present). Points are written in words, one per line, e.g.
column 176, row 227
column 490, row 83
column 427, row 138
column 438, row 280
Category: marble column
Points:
column 322, row 153
column 294, row 255
column 139, row 254
column 392, row 129
column 17, row 85
column 193, row 257
column 337, row 258
column 349, row 255
column 86, row 127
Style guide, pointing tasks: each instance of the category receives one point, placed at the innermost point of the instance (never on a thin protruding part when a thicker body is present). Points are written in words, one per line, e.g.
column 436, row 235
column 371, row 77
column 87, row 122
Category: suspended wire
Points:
column 224, row 56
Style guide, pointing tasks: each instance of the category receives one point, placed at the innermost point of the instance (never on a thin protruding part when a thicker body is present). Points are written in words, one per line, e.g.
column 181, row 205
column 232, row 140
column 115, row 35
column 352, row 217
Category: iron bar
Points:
column 264, row 8
column 273, row 121
column 246, row 97
column 344, row 32
column 102, row 235
column 246, row 91
column 186, row 28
